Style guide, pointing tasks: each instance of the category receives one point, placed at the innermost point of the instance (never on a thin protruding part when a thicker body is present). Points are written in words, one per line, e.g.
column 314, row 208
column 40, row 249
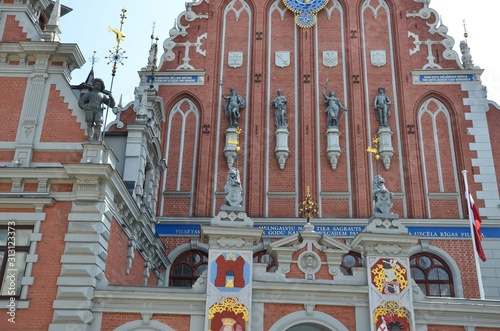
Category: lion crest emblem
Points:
column 233, row 189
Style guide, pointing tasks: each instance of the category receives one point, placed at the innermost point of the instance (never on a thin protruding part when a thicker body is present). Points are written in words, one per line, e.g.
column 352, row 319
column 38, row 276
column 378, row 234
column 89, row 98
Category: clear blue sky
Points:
column 88, row 24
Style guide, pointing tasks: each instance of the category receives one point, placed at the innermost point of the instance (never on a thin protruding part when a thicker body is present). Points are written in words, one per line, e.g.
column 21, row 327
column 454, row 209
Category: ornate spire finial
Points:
column 93, row 59
column 153, row 53
column 308, row 206
column 466, row 34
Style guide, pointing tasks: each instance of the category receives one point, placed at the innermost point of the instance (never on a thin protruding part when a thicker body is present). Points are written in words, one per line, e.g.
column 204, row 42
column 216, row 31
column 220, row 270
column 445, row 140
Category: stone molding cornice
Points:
column 134, row 299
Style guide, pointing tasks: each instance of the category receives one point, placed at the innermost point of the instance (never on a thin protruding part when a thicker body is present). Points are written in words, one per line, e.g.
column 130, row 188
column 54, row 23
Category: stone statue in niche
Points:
column 279, row 104
column 92, row 102
column 234, row 103
column 381, row 196
column 381, row 105
column 334, row 106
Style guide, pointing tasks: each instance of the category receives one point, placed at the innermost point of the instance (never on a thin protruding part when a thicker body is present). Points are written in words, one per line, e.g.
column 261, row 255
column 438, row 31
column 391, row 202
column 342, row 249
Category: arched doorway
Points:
column 308, row 327
column 312, row 321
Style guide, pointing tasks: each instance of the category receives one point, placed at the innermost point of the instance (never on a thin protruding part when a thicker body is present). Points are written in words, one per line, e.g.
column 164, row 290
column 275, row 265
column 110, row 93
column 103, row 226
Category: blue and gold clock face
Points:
column 305, row 20
column 305, row 6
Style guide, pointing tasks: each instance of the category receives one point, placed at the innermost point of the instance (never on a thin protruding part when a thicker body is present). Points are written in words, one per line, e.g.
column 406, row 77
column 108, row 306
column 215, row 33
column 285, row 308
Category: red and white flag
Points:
column 475, row 219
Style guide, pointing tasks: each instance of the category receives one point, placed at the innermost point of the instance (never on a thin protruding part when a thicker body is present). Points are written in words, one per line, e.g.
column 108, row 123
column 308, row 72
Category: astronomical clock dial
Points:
column 305, row 20
column 305, row 10
column 305, row 6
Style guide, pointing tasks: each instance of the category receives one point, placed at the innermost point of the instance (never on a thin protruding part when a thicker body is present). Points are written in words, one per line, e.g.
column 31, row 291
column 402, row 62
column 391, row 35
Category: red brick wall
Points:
column 116, row 263
column 59, row 125
column 13, row 32
column 45, row 272
column 309, row 122
column 7, row 156
column 12, row 92
column 493, row 116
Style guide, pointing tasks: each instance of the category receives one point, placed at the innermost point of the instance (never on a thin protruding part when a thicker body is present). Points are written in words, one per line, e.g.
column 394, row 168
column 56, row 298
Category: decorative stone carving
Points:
column 432, row 20
column 466, row 56
column 282, row 58
column 181, row 30
column 231, row 242
column 233, row 189
column 333, row 150
column 235, row 59
column 309, row 263
column 386, row 150
column 381, row 196
column 330, row 58
column 145, row 278
column 378, row 58
column 282, row 151
column 130, row 256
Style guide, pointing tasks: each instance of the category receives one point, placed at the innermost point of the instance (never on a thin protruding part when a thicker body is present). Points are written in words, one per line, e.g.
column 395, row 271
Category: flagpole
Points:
column 476, row 257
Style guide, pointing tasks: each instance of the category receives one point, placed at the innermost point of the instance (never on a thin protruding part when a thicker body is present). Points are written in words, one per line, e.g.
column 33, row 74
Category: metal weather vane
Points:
column 116, row 56
column 308, row 207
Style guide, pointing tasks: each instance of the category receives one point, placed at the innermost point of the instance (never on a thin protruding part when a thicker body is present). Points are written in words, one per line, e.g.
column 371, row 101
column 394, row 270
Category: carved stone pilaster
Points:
column 282, row 151
column 386, row 151
column 333, row 150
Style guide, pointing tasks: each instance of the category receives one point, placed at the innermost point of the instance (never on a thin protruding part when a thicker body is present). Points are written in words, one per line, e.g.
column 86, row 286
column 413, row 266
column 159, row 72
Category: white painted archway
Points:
column 300, row 320
column 141, row 326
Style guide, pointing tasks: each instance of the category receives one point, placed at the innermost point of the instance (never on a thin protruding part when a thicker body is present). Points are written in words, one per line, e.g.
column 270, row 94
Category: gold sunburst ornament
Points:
column 308, row 207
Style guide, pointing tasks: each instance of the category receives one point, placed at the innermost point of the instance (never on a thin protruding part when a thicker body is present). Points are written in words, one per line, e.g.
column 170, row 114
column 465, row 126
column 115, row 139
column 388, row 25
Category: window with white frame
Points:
column 14, row 248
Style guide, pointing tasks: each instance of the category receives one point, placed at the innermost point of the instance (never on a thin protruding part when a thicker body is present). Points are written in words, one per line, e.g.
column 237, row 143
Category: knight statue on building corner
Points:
column 92, row 102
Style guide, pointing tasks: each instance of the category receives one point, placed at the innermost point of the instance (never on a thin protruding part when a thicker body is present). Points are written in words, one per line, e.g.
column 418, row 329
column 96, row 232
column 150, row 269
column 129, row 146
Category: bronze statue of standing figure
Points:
column 92, row 102
column 334, row 106
column 232, row 108
column 279, row 104
column 381, row 105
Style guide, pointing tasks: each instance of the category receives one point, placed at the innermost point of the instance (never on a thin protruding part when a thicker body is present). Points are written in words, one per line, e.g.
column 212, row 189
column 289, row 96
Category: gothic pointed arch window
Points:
column 439, row 160
column 187, row 267
column 181, row 150
column 432, row 275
